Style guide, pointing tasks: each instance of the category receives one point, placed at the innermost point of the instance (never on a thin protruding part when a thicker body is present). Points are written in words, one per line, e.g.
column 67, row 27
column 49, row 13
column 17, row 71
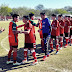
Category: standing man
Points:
column 61, row 24
column 13, row 40
column 46, row 33
column 66, row 30
column 55, row 32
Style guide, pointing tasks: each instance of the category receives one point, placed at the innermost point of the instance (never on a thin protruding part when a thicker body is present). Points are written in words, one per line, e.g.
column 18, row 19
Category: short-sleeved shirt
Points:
column 66, row 26
column 57, row 31
column 29, row 38
column 13, row 38
column 61, row 23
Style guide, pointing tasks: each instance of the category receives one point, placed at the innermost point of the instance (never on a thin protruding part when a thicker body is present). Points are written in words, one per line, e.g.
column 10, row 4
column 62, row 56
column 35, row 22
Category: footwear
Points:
column 24, row 61
column 66, row 46
column 16, row 63
column 9, row 62
column 44, row 58
column 34, row 63
column 60, row 48
column 70, row 44
column 51, row 51
column 57, row 52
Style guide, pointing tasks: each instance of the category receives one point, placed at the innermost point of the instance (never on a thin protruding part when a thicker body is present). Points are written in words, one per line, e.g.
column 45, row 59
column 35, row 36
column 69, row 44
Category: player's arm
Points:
column 62, row 26
column 34, row 24
column 26, row 32
column 20, row 26
column 14, row 29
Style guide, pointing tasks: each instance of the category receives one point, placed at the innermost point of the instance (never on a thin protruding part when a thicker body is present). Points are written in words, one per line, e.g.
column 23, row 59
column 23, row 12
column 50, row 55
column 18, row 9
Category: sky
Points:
column 33, row 3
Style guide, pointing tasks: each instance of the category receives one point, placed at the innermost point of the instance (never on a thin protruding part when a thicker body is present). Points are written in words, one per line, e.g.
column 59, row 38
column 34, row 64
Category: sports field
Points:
column 55, row 63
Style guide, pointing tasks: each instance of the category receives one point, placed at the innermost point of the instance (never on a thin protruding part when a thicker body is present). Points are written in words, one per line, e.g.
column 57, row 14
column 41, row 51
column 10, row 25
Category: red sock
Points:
column 51, row 46
column 57, row 47
column 61, row 44
column 25, row 55
column 71, row 41
column 42, row 43
column 14, row 56
column 34, row 55
column 67, row 41
column 9, row 55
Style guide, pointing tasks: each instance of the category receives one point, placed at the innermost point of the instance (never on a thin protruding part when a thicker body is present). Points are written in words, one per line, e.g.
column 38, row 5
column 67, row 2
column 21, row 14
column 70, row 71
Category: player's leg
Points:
column 42, row 44
column 61, row 41
column 32, row 46
column 9, row 55
column 57, row 44
column 51, row 44
column 67, row 39
column 70, row 37
column 15, row 55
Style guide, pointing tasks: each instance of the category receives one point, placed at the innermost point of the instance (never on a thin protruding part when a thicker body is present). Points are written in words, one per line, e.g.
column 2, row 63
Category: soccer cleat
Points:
column 51, row 51
column 60, row 48
column 44, row 58
column 66, row 46
column 24, row 61
column 57, row 52
column 34, row 63
column 70, row 44
column 9, row 62
column 16, row 63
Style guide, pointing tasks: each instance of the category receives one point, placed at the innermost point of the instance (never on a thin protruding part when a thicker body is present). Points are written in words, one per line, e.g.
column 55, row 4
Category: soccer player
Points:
column 66, row 30
column 61, row 24
column 71, row 31
column 46, row 33
column 29, row 40
column 13, row 40
column 55, row 32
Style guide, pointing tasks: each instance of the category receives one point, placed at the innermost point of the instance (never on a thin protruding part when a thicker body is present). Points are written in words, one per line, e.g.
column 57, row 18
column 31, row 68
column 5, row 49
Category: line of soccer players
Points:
column 48, row 31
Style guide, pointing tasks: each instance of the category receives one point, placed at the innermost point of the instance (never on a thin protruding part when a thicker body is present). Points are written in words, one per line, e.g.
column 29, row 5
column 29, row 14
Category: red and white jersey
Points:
column 29, row 38
column 66, row 26
column 55, row 32
column 61, row 24
column 71, row 24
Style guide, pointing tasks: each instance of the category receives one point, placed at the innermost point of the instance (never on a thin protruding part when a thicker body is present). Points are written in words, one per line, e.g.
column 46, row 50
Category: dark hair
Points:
column 60, row 15
column 42, row 13
column 53, row 15
column 26, row 17
column 31, row 14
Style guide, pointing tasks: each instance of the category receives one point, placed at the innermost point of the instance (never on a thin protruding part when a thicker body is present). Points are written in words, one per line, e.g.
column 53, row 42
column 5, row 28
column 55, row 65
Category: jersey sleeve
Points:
column 32, row 22
column 14, row 27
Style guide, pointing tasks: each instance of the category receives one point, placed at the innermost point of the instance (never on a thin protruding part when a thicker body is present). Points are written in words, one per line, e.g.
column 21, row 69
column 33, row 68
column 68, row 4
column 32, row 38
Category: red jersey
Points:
column 13, row 38
column 66, row 26
column 40, row 27
column 29, row 38
column 71, row 24
column 57, row 31
column 61, row 23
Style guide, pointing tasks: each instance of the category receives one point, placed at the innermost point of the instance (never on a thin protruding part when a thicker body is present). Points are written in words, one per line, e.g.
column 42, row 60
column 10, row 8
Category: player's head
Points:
column 59, row 17
column 42, row 15
column 15, row 17
column 53, row 16
column 25, row 19
column 68, row 17
column 31, row 15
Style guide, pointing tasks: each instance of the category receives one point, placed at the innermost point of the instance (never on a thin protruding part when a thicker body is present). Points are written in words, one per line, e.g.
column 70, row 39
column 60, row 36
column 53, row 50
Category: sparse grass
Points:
column 55, row 63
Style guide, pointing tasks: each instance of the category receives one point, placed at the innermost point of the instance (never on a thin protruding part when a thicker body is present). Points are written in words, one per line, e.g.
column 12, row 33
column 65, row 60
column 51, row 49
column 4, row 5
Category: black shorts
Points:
column 66, row 34
column 14, row 46
column 30, row 45
column 53, row 37
column 45, row 35
column 61, row 34
column 70, row 32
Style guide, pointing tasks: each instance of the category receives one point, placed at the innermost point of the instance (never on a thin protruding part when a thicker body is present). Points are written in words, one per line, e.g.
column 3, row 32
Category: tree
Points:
column 5, row 10
column 40, row 7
